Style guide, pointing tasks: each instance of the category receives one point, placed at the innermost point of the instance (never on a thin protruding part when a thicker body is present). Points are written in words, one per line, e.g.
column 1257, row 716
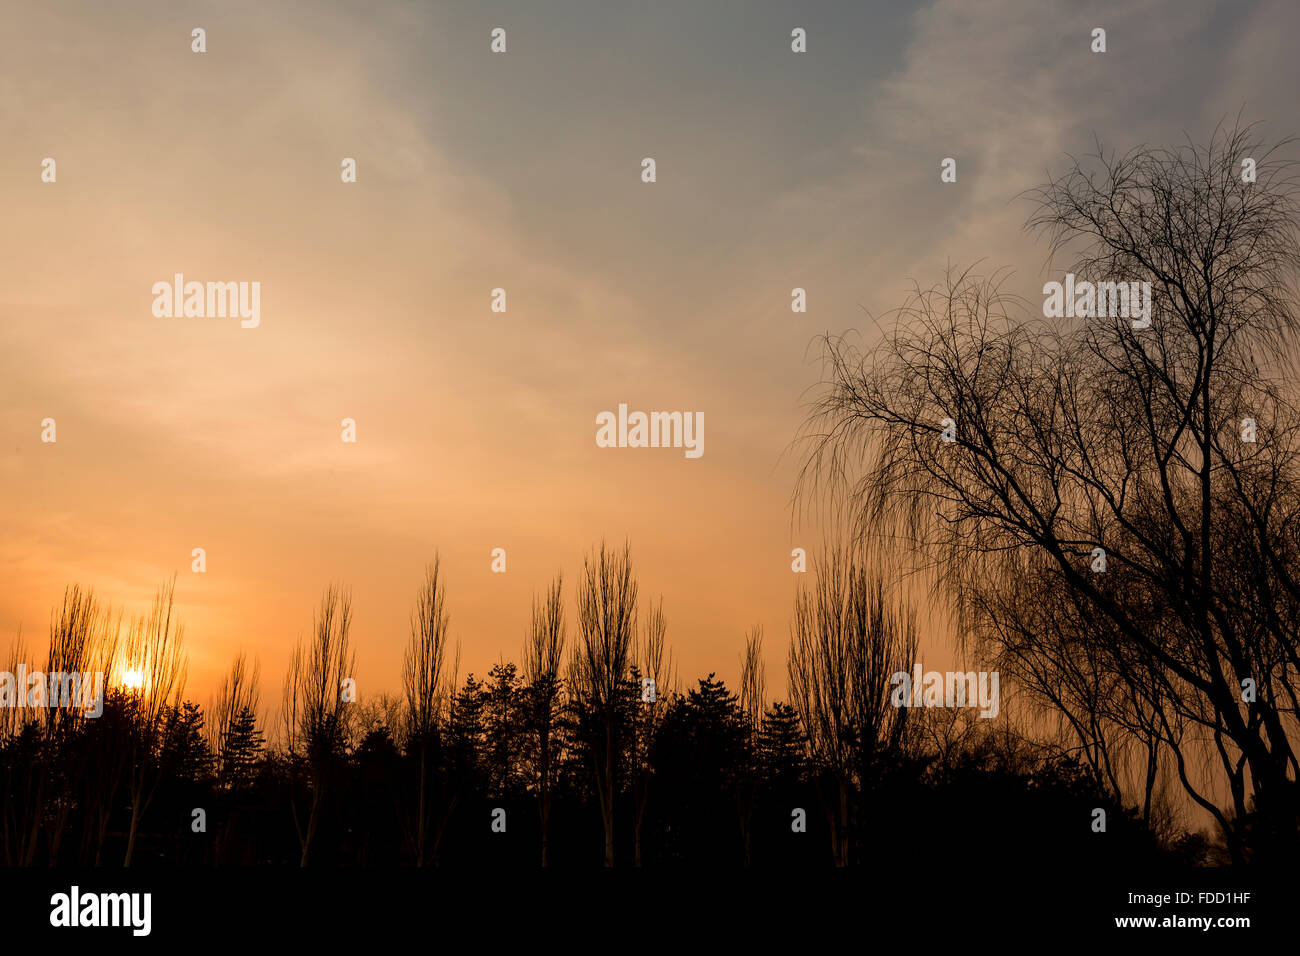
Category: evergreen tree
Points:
column 241, row 750
column 782, row 746
column 503, row 726
column 184, row 752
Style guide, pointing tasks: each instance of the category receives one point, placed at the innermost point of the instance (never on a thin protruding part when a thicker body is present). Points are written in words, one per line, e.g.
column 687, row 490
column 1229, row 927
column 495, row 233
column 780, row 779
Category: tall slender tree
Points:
column 315, row 715
column 848, row 639
column 543, row 654
column 648, row 695
column 154, row 673
column 424, row 680
column 753, row 690
column 607, row 604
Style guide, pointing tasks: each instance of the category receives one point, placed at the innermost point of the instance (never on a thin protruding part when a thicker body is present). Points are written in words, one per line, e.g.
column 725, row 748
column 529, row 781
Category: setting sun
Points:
column 132, row 679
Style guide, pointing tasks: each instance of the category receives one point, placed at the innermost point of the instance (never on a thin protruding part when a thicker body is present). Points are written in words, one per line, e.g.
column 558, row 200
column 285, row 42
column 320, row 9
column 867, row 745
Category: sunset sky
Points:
column 523, row 171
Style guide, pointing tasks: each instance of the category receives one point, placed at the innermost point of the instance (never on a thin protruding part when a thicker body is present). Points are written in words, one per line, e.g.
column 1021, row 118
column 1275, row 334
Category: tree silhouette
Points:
column 847, row 641
column 753, row 691
column 646, row 713
column 237, row 695
column 425, row 682
column 240, row 750
column 607, row 597
column 543, row 652
column 1096, row 434
column 153, row 653
column 315, row 717
column 711, row 777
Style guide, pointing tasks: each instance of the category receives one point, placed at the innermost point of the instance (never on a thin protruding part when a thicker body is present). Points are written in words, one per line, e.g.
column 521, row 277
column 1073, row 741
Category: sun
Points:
column 132, row 679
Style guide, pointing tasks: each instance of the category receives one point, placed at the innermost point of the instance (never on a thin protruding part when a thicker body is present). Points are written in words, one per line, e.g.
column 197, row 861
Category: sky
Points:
column 519, row 170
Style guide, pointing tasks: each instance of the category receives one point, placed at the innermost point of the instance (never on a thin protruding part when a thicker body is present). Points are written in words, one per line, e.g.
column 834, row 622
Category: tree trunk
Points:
column 609, row 791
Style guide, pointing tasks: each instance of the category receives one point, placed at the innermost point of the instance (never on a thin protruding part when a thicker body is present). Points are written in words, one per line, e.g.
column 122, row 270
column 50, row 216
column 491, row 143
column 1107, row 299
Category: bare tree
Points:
column 753, row 703
column 425, row 683
column 1016, row 452
column 154, row 672
column 315, row 716
column 543, row 652
column 107, row 759
column 607, row 597
column 81, row 634
column 848, row 638
column 653, row 666
column 239, row 691
column 12, row 717
column 753, row 681
column 22, row 793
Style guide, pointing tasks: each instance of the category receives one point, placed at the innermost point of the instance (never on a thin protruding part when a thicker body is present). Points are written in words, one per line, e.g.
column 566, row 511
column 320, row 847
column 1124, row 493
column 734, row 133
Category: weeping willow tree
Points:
column 1111, row 504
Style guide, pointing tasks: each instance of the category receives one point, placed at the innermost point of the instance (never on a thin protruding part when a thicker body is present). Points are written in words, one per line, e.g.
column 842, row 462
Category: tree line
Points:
column 586, row 753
